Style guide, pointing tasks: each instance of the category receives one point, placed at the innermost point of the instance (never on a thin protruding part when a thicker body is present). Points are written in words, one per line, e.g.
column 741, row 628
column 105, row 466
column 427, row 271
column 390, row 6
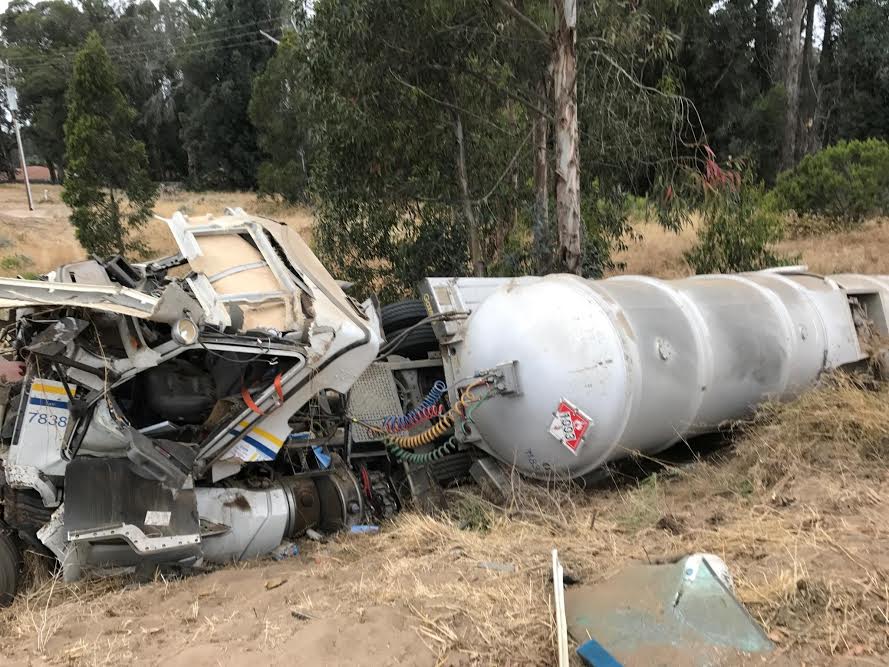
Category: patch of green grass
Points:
column 15, row 262
column 641, row 506
column 471, row 513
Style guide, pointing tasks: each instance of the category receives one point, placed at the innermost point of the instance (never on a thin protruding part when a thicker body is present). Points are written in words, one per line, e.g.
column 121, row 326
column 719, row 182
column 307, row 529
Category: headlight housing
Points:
column 185, row 332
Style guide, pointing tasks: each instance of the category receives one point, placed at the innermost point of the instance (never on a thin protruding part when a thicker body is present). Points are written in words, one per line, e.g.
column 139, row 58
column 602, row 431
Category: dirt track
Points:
column 236, row 616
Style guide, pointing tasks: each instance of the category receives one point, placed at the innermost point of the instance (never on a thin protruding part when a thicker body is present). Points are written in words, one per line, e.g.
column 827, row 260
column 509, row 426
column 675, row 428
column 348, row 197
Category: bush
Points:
column 287, row 181
column 737, row 231
column 846, row 181
column 15, row 262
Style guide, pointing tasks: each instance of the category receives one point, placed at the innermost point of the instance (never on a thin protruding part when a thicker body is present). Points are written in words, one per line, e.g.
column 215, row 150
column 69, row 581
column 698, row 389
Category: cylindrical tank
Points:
column 248, row 522
column 636, row 364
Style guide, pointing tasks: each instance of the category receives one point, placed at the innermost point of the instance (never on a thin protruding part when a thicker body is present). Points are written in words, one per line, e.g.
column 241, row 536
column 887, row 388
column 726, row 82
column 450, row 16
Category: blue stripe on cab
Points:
column 261, row 447
column 271, row 453
column 48, row 403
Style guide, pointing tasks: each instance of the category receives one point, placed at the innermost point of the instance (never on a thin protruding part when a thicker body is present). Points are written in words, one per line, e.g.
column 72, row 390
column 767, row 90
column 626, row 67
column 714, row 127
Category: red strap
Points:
column 279, row 387
column 248, row 399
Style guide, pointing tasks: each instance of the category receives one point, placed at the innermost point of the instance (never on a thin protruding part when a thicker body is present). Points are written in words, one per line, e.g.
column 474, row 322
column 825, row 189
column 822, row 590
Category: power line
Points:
column 50, row 58
column 123, row 48
column 254, row 41
column 158, row 46
column 188, row 48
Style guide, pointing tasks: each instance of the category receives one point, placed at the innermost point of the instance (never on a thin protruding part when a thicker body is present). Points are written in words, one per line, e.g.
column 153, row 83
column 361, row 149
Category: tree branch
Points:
column 508, row 166
column 513, row 96
column 446, row 105
column 510, row 9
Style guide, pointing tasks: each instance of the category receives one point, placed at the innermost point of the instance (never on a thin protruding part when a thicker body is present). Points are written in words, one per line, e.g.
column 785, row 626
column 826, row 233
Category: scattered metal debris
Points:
column 272, row 584
column 561, row 614
column 286, row 549
column 365, row 529
column 682, row 613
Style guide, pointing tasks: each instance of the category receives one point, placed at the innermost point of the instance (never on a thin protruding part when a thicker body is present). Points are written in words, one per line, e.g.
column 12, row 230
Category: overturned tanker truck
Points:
column 150, row 420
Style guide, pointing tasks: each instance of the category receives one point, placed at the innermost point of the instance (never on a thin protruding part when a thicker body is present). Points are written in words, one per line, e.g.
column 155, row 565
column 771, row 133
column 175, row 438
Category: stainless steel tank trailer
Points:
column 150, row 420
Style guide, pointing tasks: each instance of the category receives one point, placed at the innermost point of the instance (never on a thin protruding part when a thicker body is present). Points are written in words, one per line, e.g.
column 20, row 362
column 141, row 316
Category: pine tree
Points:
column 107, row 185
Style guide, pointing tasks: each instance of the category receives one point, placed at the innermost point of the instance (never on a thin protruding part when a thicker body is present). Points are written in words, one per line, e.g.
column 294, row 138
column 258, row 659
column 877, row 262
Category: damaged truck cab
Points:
column 150, row 419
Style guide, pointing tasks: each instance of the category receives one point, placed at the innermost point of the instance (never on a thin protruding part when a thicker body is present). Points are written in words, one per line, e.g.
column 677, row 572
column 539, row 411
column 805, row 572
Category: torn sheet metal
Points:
column 124, row 366
column 659, row 614
column 18, row 293
column 57, row 336
column 222, row 255
column 238, row 267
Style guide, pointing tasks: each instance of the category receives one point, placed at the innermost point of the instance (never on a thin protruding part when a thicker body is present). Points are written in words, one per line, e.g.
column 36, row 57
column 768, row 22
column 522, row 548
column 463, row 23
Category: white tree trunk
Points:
column 541, row 251
column 475, row 246
column 567, row 174
column 792, row 67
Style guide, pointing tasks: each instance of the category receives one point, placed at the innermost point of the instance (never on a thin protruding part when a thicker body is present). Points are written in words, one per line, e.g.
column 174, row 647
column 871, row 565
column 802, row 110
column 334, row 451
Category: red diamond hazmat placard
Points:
column 569, row 425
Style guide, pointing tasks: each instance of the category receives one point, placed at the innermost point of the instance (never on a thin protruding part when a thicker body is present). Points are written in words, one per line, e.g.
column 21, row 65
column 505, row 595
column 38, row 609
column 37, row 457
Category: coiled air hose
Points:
column 400, row 445
column 407, row 456
column 445, row 422
column 427, row 409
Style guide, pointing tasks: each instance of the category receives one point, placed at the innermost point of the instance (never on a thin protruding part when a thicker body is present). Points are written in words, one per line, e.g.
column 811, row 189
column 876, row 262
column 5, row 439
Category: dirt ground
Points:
column 798, row 508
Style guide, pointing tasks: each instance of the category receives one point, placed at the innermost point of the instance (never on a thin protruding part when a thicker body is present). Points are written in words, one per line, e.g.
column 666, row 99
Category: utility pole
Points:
column 13, row 102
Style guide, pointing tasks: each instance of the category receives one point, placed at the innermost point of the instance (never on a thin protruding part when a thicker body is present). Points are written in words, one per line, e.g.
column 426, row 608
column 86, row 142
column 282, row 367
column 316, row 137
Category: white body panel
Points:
column 46, row 413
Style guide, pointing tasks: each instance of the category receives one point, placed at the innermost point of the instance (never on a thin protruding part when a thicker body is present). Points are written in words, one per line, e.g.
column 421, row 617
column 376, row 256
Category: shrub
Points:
column 738, row 229
column 846, row 181
column 15, row 262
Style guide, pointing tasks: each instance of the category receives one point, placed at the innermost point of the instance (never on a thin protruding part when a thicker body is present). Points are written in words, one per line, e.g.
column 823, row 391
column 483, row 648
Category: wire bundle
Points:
column 428, row 408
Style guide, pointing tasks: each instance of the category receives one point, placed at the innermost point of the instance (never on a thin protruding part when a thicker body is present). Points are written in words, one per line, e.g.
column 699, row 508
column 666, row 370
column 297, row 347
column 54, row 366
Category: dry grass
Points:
column 842, row 424
column 657, row 252
column 43, row 239
column 797, row 509
column 46, row 239
column 862, row 249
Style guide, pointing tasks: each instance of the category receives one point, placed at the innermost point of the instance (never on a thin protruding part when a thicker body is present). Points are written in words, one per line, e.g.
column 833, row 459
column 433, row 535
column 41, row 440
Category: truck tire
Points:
column 11, row 565
column 417, row 344
column 401, row 315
